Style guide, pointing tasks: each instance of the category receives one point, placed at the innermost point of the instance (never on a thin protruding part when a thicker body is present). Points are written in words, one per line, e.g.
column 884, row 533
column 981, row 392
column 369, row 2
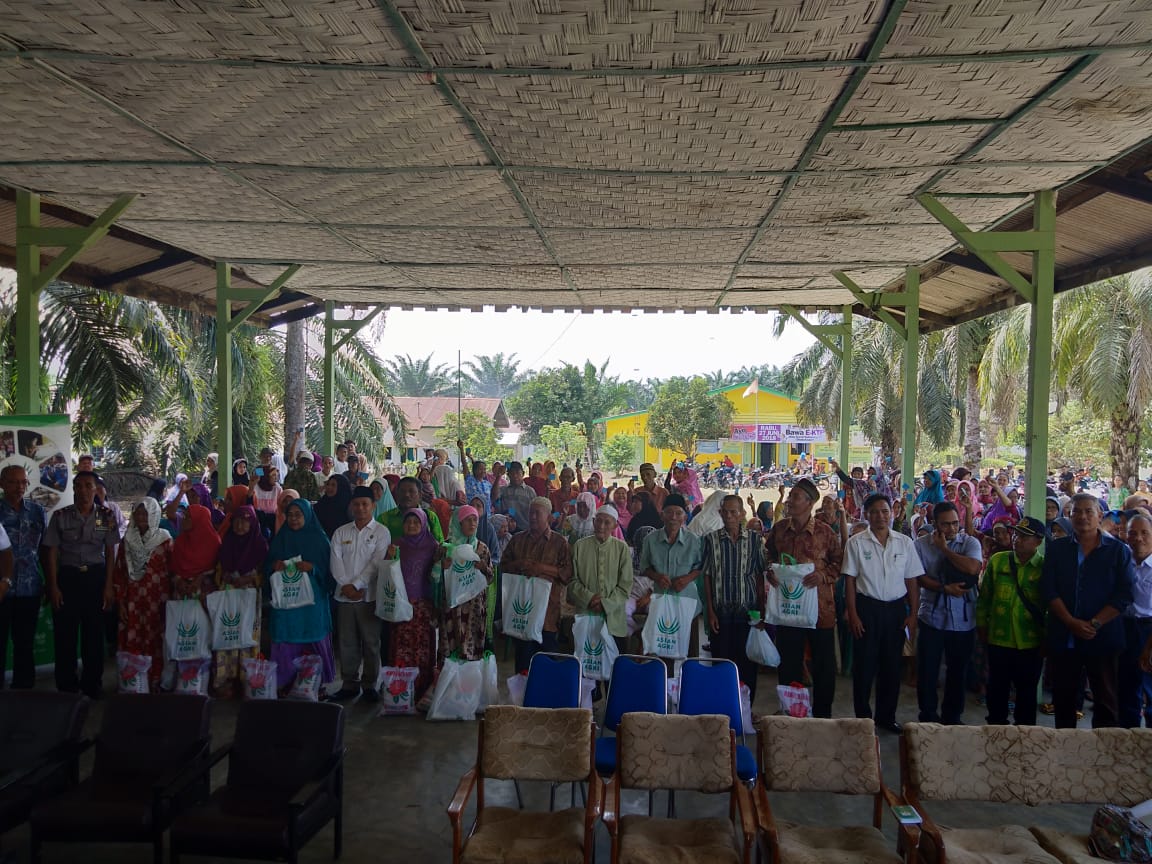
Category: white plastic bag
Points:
column 525, row 604
column 746, row 709
column 457, row 695
column 192, row 676
column 517, row 684
column 462, row 581
column 306, row 684
column 132, row 672
column 490, row 692
column 291, row 588
column 668, row 630
column 760, row 649
column 595, row 648
column 187, row 630
column 259, row 678
column 790, row 604
column 233, row 616
column 391, row 595
column 398, row 690
column 795, row 700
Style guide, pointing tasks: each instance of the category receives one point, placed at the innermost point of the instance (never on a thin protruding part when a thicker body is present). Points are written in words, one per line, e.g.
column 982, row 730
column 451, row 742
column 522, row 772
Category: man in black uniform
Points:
column 80, row 543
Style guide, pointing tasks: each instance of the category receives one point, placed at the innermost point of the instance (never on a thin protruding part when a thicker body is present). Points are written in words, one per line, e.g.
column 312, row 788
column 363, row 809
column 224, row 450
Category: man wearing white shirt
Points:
column 357, row 550
column 340, row 463
column 882, row 596
column 1135, row 685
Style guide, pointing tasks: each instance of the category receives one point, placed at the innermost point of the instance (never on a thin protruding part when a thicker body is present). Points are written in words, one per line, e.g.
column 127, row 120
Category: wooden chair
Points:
column 814, row 755
column 679, row 752
column 549, row 744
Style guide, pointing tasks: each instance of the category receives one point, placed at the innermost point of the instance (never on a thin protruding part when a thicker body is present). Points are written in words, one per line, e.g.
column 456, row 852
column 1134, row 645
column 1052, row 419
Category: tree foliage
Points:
column 419, row 377
column 570, row 393
column 684, row 413
column 479, row 435
column 494, row 376
column 623, row 451
column 565, row 442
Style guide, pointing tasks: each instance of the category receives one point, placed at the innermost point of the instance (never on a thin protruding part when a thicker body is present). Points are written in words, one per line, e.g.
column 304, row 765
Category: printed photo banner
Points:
column 41, row 444
column 778, row 433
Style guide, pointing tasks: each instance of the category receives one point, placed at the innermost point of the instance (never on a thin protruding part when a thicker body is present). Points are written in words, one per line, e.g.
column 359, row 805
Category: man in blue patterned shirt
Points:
column 24, row 522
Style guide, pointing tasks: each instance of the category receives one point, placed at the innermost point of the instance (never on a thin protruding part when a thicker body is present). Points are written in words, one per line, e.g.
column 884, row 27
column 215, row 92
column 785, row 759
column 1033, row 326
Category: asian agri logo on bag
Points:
column 666, row 639
column 593, row 655
column 290, row 583
column 231, row 627
column 186, row 638
column 521, row 609
column 465, row 574
column 791, row 593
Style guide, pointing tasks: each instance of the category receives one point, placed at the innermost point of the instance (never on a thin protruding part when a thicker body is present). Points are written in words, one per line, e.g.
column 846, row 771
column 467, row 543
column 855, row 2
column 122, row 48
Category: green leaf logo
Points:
column 230, row 621
column 794, row 593
column 522, row 608
column 390, row 591
column 292, row 577
column 188, row 632
column 459, row 567
column 667, row 626
column 591, row 651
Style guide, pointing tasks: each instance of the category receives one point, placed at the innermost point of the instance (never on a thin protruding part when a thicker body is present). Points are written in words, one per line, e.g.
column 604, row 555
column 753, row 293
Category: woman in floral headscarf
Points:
column 464, row 628
column 142, row 587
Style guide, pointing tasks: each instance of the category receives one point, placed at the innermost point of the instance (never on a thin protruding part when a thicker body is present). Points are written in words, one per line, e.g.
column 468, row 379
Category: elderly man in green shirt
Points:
column 1010, row 619
column 602, row 575
column 671, row 558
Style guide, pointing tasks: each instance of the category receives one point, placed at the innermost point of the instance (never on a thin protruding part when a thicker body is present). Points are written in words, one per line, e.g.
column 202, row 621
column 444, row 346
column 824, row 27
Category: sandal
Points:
column 1047, row 708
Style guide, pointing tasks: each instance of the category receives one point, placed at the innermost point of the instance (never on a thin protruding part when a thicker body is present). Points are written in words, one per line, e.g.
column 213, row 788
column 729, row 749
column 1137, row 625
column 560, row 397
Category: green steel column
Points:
column 1040, row 353
column 911, row 377
column 27, row 307
column 329, row 377
column 224, row 367
column 845, row 386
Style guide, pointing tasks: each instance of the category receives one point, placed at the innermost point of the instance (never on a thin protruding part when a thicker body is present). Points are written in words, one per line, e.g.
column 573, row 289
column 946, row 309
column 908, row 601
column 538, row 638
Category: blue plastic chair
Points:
column 638, row 684
column 713, row 687
column 553, row 681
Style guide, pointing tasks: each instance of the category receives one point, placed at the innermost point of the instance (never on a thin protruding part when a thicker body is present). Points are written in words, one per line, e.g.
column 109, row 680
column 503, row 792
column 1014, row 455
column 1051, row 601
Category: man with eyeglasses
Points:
column 947, row 616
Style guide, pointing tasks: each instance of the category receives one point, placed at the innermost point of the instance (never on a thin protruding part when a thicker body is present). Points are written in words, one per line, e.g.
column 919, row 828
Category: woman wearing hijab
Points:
column 286, row 498
column 708, row 519
column 382, row 495
column 447, row 484
column 198, row 494
column 645, row 514
column 932, row 492
column 211, row 476
column 240, row 472
column 595, row 485
column 464, row 628
column 536, row 479
column 156, row 490
column 579, row 524
column 177, row 489
column 242, row 554
column 265, row 497
column 564, row 498
column 142, row 586
column 427, row 490
column 235, row 497
column 332, row 508
column 501, row 525
column 307, row 629
column 413, row 643
column 620, row 502
column 195, row 554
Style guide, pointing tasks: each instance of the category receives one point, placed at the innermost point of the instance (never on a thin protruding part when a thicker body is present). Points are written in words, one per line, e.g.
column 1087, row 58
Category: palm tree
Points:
column 1102, row 353
column 408, row 377
column 877, row 382
column 495, row 376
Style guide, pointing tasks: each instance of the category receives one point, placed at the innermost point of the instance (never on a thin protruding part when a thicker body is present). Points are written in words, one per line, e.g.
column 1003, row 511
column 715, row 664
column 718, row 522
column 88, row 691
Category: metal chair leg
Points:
column 519, row 800
column 671, row 803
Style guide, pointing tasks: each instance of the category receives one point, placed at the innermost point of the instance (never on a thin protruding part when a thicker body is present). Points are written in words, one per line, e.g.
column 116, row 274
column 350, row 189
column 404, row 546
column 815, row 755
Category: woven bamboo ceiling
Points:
column 612, row 154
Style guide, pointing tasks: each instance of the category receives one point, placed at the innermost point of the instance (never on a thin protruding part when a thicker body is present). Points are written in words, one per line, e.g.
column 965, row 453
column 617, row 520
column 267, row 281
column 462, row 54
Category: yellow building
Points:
column 771, row 413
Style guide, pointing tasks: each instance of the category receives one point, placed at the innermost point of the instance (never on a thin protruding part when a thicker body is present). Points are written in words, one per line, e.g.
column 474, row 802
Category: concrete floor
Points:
column 402, row 771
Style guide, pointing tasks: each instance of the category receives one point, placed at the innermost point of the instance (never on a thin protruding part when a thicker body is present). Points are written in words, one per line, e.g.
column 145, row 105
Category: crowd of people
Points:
column 956, row 578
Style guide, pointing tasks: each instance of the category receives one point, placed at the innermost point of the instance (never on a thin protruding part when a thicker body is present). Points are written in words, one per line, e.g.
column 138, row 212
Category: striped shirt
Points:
column 735, row 568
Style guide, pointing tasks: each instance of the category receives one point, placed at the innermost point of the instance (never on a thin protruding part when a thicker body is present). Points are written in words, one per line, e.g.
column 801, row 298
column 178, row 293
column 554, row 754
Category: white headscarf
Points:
column 138, row 548
column 583, row 527
column 447, row 485
column 709, row 518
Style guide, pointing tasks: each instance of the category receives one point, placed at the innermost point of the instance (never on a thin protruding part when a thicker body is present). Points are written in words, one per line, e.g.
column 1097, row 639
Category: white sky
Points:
column 637, row 345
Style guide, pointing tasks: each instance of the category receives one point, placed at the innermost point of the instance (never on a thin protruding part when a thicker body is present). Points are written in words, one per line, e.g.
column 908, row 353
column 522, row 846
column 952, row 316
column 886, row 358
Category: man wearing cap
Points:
column 302, row 479
column 540, row 553
column 732, row 561
column 882, row 595
column 809, row 541
column 1010, row 619
column 602, row 575
column 952, row 561
column 1087, row 584
column 358, row 547
column 671, row 559
column 79, row 556
column 648, row 484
